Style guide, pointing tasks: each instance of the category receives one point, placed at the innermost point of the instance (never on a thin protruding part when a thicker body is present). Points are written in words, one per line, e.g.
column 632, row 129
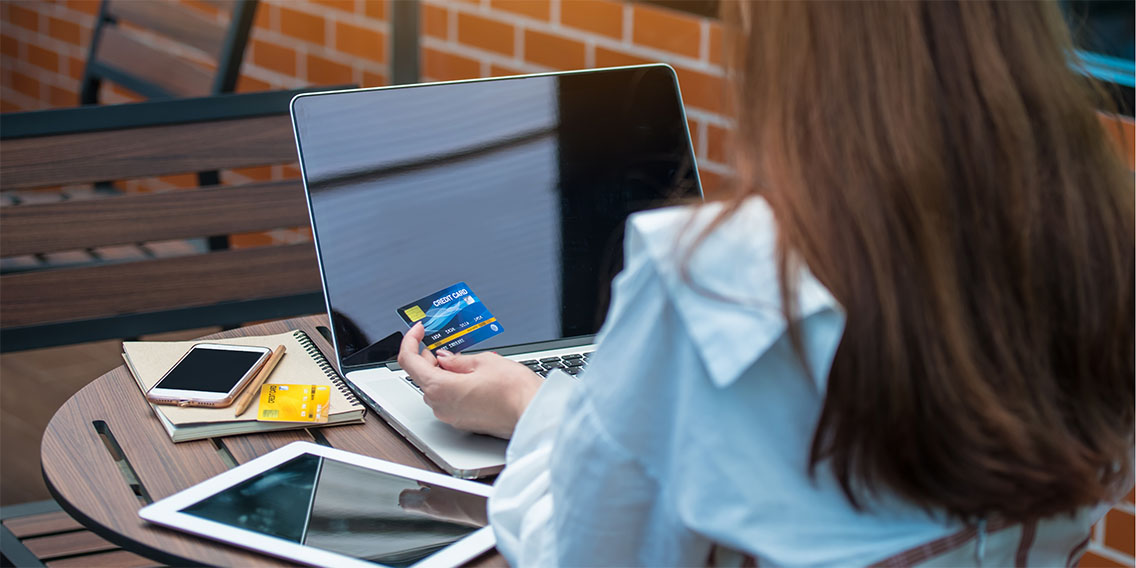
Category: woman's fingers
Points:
column 413, row 362
column 457, row 363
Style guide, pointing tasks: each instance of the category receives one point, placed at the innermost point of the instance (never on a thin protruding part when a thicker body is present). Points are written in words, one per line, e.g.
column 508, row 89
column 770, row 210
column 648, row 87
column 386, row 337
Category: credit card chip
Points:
column 415, row 313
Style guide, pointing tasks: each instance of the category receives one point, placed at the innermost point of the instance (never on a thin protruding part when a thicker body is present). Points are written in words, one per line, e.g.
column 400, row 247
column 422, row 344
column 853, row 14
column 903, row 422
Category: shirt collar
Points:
column 729, row 297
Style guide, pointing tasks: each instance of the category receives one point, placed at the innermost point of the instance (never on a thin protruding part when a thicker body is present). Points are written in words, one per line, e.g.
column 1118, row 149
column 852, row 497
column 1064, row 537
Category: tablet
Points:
column 327, row 507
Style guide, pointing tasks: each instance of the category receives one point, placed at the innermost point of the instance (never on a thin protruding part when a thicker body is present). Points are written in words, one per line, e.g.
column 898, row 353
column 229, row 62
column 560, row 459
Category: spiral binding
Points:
column 308, row 345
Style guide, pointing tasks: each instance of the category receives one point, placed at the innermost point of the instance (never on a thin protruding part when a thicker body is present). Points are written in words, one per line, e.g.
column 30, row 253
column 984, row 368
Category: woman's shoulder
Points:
column 718, row 267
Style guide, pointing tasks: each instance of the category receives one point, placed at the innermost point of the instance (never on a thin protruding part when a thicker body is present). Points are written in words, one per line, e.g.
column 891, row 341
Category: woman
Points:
column 907, row 336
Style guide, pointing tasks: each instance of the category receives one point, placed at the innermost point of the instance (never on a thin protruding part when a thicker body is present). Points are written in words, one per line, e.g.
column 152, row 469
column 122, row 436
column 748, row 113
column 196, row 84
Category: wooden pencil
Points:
column 253, row 390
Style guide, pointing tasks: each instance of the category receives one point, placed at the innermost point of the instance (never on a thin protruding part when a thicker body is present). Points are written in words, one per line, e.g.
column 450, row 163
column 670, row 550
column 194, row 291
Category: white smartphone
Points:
column 209, row 374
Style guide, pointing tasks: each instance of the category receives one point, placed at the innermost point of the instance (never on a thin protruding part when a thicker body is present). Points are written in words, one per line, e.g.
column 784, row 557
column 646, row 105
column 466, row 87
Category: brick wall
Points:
column 325, row 42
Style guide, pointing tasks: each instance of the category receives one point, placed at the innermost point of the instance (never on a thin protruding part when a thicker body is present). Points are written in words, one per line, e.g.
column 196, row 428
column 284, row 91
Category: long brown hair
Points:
column 939, row 167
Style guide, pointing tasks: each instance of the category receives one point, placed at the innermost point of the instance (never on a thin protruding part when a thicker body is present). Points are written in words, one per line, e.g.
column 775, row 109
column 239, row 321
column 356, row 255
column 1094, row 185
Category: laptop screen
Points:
column 517, row 187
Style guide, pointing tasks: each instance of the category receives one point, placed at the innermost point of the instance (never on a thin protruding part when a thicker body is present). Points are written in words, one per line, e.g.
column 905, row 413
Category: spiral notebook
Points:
column 303, row 363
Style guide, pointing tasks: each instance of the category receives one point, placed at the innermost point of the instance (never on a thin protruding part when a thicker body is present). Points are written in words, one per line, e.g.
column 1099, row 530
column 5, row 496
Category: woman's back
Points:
column 696, row 434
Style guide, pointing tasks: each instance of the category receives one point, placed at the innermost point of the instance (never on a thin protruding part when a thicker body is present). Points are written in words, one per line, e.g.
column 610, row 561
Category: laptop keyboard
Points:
column 573, row 364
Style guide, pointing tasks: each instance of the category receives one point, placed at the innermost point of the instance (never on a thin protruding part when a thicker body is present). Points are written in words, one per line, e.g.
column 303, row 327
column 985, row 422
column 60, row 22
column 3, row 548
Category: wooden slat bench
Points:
column 42, row 534
column 127, row 295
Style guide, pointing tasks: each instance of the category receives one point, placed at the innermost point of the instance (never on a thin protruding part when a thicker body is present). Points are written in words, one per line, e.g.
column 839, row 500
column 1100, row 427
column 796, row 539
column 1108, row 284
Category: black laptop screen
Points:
column 518, row 187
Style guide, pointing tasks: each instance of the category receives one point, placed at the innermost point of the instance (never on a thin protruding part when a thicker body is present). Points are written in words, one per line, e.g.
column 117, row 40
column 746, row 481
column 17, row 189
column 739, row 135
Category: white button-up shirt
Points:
column 692, row 424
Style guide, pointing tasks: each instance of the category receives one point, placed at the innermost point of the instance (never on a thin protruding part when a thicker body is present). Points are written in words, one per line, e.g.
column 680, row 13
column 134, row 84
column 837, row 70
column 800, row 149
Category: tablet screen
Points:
column 347, row 509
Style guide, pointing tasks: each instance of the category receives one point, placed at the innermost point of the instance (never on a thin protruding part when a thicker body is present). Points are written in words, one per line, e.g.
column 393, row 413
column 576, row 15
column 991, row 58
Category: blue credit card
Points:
column 454, row 318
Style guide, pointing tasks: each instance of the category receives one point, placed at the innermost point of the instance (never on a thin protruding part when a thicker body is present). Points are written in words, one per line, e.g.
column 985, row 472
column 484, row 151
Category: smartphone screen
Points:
column 210, row 370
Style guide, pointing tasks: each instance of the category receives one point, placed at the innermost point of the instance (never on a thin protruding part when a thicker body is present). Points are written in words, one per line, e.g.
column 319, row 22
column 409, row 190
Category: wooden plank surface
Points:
column 249, row 447
column 167, row 283
column 147, row 151
column 70, row 544
column 42, row 524
column 84, row 476
column 112, row 559
column 178, row 76
column 173, row 21
column 128, row 219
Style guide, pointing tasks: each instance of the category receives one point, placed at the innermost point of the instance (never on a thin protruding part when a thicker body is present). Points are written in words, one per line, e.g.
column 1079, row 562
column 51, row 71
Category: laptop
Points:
column 516, row 186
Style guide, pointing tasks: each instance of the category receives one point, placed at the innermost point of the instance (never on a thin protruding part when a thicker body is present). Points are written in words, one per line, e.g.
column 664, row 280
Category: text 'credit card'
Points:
column 454, row 318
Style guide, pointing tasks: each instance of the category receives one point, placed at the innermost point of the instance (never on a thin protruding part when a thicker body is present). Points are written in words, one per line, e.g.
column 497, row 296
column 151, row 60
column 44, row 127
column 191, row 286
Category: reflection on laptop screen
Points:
column 518, row 187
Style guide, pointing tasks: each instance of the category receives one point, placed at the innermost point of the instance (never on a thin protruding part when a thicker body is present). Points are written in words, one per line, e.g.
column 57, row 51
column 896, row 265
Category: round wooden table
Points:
column 105, row 456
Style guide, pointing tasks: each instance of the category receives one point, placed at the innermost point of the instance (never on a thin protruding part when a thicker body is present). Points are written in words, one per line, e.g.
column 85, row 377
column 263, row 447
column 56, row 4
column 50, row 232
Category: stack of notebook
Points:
column 302, row 364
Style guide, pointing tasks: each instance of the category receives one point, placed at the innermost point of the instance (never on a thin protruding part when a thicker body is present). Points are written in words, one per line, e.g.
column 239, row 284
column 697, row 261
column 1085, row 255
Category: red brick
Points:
column 9, row 46
column 25, row 84
column 246, row 84
column 713, row 185
column 598, row 16
column 180, row 181
column 89, row 7
column 41, row 57
column 1120, row 532
column 263, row 17
column 610, row 58
column 323, row 71
column 360, row 41
column 9, row 106
column 302, row 25
column 485, row 33
column 255, row 173
column 345, row 5
column 375, row 9
column 700, row 90
column 535, row 9
column 503, row 71
column 23, row 17
column 1090, row 560
column 554, row 51
column 435, row 21
column 665, row 29
column 1131, row 498
column 444, row 66
column 62, row 97
column 371, row 79
column 274, row 57
column 716, row 144
column 716, row 40
column 249, row 240
column 75, row 67
column 63, row 30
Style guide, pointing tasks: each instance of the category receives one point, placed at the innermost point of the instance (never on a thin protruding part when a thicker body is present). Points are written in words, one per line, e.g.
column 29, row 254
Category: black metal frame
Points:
column 404, row 42
column 154, row 113
column 229, row 58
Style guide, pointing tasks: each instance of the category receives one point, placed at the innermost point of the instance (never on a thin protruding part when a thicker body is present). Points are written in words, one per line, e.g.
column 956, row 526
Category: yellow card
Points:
column 294, row 403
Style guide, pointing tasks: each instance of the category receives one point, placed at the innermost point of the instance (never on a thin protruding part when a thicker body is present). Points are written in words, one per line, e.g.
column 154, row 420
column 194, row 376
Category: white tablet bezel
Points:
column 166, row 512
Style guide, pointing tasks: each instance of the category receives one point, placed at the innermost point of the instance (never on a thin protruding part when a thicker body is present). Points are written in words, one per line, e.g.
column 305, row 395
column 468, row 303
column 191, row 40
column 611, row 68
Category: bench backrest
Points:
column 150, row 293
column 120, row 56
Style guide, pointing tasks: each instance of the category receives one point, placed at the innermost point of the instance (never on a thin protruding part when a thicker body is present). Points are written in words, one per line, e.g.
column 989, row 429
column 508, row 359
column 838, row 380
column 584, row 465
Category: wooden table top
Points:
column 104, row 484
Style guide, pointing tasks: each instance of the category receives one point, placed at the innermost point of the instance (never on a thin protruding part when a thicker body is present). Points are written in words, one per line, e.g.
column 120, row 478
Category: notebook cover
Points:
column 302, row 363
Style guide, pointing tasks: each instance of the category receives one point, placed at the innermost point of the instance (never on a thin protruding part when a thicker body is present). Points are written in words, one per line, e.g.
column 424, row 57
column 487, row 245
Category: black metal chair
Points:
column 116, row 56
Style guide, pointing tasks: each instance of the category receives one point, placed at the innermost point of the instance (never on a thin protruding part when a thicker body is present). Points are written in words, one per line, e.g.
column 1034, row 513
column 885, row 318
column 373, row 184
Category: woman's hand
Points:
column 484, row 393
